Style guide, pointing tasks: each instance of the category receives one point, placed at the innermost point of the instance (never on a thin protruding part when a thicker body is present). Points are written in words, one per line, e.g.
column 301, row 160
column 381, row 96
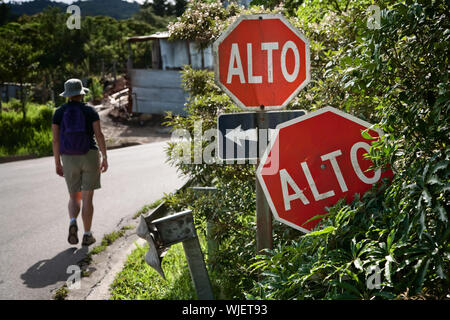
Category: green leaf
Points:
column 318, row 216
column 440, row 165
column 352, row 274
column 439, row 270
column 442, row 214
column 385, row 295
column 357, row 263
column 434, row 180
column 320, row 232
column 345, row 296
column 426, row 196
column 390, row 239
column 348, row 287
column 421, row 273
column 425, row 171
column 421, row 223
column 366, row 135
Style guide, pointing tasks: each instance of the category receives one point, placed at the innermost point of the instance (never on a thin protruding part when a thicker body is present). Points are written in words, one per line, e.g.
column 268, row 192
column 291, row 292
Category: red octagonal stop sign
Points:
column 314, row 161
column 262, row 60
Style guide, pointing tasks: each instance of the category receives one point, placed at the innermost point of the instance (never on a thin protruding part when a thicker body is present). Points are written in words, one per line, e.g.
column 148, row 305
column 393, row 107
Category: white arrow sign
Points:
column 237, row 134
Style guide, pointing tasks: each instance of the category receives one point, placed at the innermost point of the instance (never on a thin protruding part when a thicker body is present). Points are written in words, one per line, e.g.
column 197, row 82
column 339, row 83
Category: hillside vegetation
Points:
column 117, row 9
column 38, row 52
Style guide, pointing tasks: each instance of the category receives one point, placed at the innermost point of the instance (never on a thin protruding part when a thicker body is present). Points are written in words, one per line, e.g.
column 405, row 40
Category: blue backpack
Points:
column 74, row 139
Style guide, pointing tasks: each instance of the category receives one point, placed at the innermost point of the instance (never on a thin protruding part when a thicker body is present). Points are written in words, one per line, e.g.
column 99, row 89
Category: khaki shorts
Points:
column 82, row 172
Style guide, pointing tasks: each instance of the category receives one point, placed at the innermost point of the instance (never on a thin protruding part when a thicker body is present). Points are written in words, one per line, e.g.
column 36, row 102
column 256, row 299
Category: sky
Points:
column 68, row 1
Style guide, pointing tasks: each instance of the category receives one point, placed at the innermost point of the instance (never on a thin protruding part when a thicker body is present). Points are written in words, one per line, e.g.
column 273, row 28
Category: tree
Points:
column 202, row 22
column 4, row 13
column 147, row 14
column 180, row 6
column 4, row 72
column 58, row 52
column 20, row 65
column 3, row 53
column 159, row 7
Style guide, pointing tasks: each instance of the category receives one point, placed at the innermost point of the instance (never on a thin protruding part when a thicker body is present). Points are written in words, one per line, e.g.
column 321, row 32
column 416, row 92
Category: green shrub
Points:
column 31, row 135
column 404, row 230
column 15, row 105
column 395, row 77
column 95, row 93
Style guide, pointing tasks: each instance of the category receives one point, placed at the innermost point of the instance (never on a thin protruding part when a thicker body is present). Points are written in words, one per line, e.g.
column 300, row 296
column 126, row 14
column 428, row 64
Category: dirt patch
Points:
column 121, row 132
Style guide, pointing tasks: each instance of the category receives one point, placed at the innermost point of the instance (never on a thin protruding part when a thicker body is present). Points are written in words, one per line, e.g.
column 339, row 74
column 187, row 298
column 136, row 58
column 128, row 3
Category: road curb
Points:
column 105, row 265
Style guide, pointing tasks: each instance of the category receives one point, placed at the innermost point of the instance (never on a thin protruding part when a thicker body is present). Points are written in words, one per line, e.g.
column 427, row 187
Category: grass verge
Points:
column 147, row 208
column 108, row 239
column 31, row 135
column 138, row 281
column 61, row 293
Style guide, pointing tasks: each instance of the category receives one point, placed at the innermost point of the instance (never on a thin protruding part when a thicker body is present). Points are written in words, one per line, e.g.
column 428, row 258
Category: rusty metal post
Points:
column 264, row 239
column 197, row 268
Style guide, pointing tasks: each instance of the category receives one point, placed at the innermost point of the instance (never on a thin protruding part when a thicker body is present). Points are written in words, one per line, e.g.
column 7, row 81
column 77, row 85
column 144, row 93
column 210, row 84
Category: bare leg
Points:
column 87, row 211
column 74, row 204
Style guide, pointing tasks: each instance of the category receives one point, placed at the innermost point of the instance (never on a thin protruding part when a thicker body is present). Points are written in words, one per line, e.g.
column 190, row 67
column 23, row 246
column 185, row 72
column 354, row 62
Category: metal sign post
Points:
column 274, row 68
column 261, row 123
column 264, row 239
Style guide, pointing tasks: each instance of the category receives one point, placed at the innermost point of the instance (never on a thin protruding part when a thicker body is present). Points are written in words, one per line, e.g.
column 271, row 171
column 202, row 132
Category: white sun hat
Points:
column 74, row 87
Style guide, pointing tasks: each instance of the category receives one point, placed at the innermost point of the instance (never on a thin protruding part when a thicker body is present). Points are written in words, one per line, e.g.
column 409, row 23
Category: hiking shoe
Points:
column 73, row 233
column 88, row 239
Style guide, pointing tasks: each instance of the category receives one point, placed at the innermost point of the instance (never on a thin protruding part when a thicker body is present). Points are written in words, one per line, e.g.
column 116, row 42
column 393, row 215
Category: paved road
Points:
column 34, row 253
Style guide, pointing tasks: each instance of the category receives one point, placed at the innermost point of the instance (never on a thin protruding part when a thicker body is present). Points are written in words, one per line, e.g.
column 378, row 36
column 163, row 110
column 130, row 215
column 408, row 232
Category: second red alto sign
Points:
column 314, row 161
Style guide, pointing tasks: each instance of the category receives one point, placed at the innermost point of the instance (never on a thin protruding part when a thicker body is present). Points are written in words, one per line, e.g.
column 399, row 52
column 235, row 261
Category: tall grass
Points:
column 31, row 135
column 138, row 281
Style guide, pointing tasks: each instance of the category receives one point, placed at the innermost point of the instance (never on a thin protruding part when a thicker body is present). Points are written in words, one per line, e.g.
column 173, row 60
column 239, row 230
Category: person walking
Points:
column 74, row 126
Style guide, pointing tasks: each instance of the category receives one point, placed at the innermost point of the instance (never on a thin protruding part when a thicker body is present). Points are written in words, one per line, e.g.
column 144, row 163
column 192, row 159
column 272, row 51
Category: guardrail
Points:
column 162, row 228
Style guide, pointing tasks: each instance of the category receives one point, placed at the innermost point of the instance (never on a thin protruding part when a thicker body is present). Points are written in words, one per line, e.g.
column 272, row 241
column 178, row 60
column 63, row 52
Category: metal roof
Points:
column 158, row 35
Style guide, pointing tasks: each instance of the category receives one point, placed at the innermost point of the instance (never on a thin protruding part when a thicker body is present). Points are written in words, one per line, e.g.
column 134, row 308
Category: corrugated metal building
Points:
column 158, row 90
column 11, row 90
